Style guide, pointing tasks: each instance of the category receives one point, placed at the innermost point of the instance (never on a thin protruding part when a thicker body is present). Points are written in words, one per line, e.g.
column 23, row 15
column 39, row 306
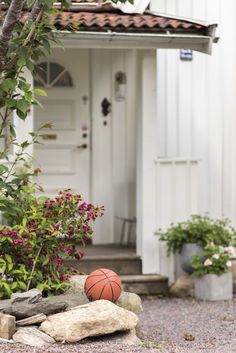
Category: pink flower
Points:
column 229, row 263
column 230, row 250
column 216, row 256
column 18, row 241
column 207, row 262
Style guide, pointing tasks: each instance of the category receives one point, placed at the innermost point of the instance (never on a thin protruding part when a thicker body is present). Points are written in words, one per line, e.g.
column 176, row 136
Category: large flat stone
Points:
column 36, row 319
column 22, row 310
column 33, row 337
column 96, row 318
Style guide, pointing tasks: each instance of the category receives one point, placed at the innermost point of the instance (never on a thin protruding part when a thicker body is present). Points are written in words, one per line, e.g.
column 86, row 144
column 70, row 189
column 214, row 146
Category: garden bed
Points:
column 167, row 325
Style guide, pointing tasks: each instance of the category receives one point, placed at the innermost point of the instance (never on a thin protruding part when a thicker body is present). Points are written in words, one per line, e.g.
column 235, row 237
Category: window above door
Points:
column 51, row 74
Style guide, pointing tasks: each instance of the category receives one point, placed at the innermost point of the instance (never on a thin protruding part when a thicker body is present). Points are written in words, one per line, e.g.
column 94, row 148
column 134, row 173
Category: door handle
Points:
column 83, row 146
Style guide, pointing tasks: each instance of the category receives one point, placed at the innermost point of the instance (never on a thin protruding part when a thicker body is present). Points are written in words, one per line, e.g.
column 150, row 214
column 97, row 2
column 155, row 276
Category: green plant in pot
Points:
column 212, row 273
column 190, row 237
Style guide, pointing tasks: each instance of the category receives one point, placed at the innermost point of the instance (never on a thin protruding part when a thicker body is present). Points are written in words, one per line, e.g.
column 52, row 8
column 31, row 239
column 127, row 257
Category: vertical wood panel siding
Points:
column 197, row 105
column 114, row 144
column 177, row 197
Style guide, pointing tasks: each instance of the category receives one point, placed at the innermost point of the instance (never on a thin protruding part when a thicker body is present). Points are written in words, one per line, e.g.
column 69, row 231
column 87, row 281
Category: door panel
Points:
column 63, row 160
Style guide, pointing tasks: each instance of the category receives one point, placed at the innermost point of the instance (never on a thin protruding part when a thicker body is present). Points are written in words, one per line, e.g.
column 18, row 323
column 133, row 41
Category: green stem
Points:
column 33, row 268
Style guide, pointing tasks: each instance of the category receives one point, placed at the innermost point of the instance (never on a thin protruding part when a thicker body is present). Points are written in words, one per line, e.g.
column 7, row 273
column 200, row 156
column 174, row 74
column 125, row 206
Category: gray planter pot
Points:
column 212, row 287
column 188, row 250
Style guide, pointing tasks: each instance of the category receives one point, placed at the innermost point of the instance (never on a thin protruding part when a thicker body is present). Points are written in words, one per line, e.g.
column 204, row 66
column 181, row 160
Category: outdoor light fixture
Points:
column 120, row 86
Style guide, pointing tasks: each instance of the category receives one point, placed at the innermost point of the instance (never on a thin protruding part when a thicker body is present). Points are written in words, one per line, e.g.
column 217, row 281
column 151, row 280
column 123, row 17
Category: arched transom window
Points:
column 50, row 74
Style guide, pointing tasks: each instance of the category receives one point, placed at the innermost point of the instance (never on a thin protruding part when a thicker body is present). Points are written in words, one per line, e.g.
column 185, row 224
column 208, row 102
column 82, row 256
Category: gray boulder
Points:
column 128, row 338
column 77, row 284
column 130, row 301
column 22, row 310
column 100, row 317
column 31, row 296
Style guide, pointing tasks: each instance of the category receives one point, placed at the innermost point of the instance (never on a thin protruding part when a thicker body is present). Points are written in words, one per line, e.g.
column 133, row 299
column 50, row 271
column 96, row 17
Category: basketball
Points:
column 103, row 284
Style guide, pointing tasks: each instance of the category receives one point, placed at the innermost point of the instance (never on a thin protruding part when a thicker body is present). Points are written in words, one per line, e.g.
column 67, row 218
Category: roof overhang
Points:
column 117, row 40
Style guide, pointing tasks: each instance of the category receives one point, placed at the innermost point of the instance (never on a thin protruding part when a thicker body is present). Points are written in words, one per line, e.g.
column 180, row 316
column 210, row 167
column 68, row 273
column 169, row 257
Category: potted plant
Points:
column 191, row 236
column 212, row 273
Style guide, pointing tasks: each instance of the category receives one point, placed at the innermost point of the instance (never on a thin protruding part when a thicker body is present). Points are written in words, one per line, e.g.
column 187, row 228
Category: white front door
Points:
column 64, row 156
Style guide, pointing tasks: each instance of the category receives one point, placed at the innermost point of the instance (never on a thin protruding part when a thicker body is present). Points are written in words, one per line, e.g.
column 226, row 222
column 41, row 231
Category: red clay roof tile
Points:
column 114, row 20
column 104, row 17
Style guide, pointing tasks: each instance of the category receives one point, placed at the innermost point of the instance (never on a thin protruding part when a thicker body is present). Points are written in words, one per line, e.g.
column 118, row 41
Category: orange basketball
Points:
column 103, row 284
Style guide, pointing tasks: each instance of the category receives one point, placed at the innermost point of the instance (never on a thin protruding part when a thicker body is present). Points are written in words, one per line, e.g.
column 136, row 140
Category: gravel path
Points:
column 166, row 326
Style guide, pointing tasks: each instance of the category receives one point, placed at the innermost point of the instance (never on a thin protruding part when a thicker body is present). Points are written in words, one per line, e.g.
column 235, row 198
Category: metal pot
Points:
column 187, row 251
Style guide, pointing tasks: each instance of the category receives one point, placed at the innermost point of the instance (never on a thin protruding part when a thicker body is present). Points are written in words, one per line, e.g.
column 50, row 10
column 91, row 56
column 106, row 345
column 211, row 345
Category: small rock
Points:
column 33, row 337
column 128, row 338
column 77, row 284
column 7, row 326
column 36, row 319
column 31, row 296
column 96, row 318
column 73, row 300
column 183, row 287
column 130, row 301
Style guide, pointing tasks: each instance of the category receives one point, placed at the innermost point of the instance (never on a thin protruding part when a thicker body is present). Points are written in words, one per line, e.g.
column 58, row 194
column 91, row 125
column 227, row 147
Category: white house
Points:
column 137, row 129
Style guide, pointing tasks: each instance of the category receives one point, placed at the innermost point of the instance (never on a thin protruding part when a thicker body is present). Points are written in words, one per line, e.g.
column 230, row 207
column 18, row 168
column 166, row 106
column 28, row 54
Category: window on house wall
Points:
column 50, row 74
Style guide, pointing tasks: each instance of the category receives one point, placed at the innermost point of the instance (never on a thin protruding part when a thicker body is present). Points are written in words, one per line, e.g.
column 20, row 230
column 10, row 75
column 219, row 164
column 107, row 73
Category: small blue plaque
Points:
column 186, row 54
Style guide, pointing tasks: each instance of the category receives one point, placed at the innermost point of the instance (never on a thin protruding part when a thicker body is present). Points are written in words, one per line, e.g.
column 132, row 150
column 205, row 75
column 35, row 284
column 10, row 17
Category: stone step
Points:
column 122, row 265
column 145, row 284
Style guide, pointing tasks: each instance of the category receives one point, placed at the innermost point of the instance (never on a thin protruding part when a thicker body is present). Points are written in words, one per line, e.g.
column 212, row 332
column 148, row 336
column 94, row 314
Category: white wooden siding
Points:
column 177, row 198
column 197, row 106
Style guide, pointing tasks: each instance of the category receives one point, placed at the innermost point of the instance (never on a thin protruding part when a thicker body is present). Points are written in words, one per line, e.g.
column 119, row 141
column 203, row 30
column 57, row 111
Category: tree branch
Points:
column 36, row 9
column 11, row 19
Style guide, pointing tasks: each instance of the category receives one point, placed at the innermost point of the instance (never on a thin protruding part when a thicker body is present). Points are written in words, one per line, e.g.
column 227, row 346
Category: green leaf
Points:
column 8, row 258
column 22, row 105
column 30, row 2
column 12, row 131
column 28, row 96
column 21, row 115
column 10, row 103
column 29, row 65
column 8, row 84
column 21, row 62
column 40, row 92
column 24, row 86
column 3, row 169
column 21, row 285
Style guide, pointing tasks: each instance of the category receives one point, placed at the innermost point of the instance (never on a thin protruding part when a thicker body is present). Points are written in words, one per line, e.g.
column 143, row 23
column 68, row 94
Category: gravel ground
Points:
column 166, row 326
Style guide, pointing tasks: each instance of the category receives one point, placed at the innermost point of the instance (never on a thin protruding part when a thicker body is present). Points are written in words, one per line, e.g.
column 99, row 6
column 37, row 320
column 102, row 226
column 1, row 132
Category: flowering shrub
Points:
column 199, row 230
column 32, row 252
column 213, row 260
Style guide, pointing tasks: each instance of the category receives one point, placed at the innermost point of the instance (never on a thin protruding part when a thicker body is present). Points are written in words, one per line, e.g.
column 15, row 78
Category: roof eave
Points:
column 117, row 40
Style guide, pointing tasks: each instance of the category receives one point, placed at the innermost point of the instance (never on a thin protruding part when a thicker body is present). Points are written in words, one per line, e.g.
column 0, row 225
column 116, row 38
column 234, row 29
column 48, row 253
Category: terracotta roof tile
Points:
column 105, row 17
column 88, row 20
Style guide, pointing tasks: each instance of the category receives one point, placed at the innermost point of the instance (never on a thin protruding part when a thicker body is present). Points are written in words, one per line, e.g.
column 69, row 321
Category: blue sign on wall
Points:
column 186, row 54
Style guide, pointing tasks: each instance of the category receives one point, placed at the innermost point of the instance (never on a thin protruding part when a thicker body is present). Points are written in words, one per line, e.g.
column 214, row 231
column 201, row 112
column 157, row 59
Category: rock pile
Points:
column 28, row 318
